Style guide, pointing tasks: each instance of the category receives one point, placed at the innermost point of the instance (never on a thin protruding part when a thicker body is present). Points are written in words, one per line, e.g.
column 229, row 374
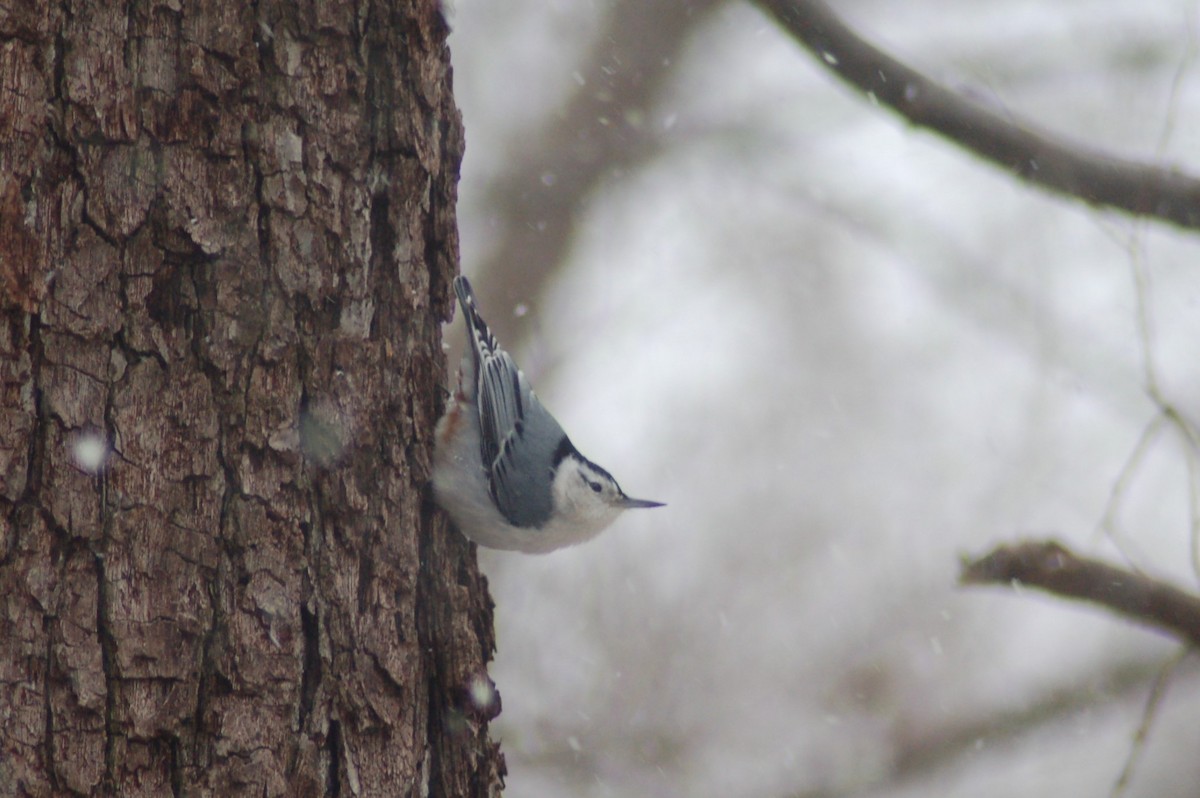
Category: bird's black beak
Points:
column 626, row 503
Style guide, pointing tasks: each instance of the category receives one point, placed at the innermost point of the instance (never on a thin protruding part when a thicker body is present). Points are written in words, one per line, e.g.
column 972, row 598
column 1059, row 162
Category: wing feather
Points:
column 516, row 458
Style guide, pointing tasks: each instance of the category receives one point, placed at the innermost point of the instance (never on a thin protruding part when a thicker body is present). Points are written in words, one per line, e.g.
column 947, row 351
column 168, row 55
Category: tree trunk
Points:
column 226, row 237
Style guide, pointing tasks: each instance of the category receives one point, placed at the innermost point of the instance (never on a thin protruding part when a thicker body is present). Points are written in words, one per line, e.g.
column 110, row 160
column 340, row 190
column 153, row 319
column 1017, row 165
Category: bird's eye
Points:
column 595, row 486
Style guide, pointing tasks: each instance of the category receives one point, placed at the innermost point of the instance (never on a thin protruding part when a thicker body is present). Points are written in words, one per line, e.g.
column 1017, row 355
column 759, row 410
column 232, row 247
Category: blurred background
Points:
column 845, row 353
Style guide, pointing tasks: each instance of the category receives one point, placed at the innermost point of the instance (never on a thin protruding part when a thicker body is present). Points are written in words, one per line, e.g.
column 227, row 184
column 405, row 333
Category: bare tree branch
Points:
column 1135, row 187
column 1050, row 566
column 946, row 745
column 599, row 132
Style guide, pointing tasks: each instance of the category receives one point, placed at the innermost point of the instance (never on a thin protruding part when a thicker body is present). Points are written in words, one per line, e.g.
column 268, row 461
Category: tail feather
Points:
column 466, row 296
column 482, row 341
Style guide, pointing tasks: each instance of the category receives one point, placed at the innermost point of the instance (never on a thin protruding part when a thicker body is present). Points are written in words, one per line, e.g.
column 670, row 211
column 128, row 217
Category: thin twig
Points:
column 1158, row 691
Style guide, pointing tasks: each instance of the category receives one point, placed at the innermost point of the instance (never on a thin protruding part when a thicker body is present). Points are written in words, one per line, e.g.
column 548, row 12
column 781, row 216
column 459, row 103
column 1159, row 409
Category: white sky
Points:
column 846, row 353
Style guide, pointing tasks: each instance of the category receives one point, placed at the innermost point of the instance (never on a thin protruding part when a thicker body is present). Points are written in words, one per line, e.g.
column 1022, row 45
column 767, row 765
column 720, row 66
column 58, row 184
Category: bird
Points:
column 503, row 468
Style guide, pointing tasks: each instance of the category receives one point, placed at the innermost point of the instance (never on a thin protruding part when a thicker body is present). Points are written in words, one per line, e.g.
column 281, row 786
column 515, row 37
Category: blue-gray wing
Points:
column 518, row 437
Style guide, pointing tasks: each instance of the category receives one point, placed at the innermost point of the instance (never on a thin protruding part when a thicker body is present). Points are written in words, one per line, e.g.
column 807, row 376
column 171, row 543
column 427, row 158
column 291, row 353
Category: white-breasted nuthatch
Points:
column 503, row 468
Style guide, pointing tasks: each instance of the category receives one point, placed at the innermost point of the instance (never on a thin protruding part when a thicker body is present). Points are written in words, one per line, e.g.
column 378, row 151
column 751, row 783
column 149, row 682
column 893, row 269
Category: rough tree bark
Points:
column 226, row 236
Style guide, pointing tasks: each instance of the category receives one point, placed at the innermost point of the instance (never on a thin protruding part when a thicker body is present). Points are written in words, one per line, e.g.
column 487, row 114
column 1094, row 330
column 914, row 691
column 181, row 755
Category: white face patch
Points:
column 576, row 496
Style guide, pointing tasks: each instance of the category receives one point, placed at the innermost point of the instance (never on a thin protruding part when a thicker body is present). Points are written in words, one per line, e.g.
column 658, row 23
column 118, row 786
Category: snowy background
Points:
column 846, row 353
